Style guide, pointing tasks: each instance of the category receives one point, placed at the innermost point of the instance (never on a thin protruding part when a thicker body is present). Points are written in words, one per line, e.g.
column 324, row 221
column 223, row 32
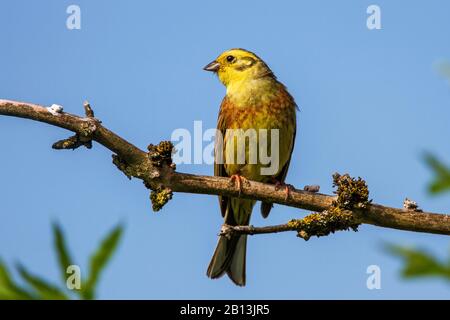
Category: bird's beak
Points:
column 213, row 66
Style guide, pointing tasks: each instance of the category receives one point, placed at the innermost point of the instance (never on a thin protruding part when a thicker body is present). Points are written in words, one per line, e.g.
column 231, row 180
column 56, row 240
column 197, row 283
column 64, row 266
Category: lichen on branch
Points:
column 351, row 194
column 323, row 223
column 161, row 154
column 160, row 197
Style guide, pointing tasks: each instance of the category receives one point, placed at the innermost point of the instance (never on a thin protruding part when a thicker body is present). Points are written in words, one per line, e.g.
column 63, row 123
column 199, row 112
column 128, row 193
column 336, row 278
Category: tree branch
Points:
column 157, row 171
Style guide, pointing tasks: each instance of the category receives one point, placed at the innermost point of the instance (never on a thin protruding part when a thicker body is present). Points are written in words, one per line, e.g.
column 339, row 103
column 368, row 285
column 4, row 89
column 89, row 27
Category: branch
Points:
column 315, row 224
column 155, row 168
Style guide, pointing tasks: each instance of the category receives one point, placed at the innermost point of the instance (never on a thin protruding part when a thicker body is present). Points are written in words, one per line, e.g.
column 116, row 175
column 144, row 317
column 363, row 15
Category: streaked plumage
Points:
column 254, row 99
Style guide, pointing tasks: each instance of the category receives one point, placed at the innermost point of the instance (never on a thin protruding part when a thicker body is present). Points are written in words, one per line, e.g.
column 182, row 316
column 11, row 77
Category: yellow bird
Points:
column 254, row 99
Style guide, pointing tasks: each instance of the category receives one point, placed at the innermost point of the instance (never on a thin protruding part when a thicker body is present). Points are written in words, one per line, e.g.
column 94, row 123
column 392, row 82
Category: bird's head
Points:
column 237, row 65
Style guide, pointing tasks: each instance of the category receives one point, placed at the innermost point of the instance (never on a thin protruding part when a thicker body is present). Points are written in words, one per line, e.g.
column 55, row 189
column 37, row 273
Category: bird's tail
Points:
column 230, row 254
column 229, row 257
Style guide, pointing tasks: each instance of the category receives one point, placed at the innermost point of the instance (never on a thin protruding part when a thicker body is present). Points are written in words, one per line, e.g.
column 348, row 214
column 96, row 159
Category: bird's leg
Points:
column 287, row 187
column 239, row 180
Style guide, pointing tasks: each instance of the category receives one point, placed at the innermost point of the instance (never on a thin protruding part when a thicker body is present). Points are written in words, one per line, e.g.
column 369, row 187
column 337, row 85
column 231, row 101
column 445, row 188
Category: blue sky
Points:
column 371, row 103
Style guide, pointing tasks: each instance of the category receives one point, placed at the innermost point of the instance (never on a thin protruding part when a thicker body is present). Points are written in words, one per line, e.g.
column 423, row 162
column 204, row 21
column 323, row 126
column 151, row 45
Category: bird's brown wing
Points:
column 267, row 206
column 219, row 168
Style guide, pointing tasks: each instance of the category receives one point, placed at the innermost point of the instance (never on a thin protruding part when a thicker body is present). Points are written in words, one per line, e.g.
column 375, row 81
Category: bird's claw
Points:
column 287, row 188
column 239, row 181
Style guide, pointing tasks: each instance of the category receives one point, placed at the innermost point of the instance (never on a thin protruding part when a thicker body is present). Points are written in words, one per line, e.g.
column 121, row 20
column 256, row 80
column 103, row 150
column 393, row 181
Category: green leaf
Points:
column 99, row 260
column 441, row 181
column 62, row 251
column 419, row 263
column 444, row 69
column 9, row 290
column 45, row 290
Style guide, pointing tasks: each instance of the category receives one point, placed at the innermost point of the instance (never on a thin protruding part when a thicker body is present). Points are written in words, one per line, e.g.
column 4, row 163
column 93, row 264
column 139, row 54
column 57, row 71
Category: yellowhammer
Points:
column 254, row 100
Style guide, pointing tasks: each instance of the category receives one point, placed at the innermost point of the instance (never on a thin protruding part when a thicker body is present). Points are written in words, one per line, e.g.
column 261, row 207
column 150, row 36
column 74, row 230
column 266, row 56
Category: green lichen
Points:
column 72, row 143
column 351, row 194
column 123, row 166
column 161, row 154
column 324, row 223
column 160, row 197
column 82, row 138
column 87, row 129
column 137, row 169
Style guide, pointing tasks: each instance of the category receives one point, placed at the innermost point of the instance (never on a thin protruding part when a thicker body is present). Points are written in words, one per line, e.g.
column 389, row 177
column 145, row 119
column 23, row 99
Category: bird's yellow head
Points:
column 238, row 65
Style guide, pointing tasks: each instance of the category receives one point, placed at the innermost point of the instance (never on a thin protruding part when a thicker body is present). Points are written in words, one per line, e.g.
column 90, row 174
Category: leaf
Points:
column 441, row 182
column 444, row 69
column 45, row 290
column 99, row 260
column 9, row 290
column 419, row 263
column 62, row 251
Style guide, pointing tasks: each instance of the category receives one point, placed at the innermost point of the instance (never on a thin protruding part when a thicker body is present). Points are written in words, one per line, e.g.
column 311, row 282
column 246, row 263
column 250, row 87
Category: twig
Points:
column 315, row 224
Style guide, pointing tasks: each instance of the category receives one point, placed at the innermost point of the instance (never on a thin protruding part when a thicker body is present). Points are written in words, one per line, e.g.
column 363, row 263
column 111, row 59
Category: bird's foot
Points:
column 287, row 188
column 239, row 181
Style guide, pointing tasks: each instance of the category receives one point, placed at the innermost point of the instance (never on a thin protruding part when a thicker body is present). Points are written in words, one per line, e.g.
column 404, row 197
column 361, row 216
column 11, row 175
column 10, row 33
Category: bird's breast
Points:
column 252, row 122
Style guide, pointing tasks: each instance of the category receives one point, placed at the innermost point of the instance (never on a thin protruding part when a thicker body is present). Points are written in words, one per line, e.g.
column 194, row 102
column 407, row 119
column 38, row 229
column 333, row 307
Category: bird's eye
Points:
column 230, row 58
